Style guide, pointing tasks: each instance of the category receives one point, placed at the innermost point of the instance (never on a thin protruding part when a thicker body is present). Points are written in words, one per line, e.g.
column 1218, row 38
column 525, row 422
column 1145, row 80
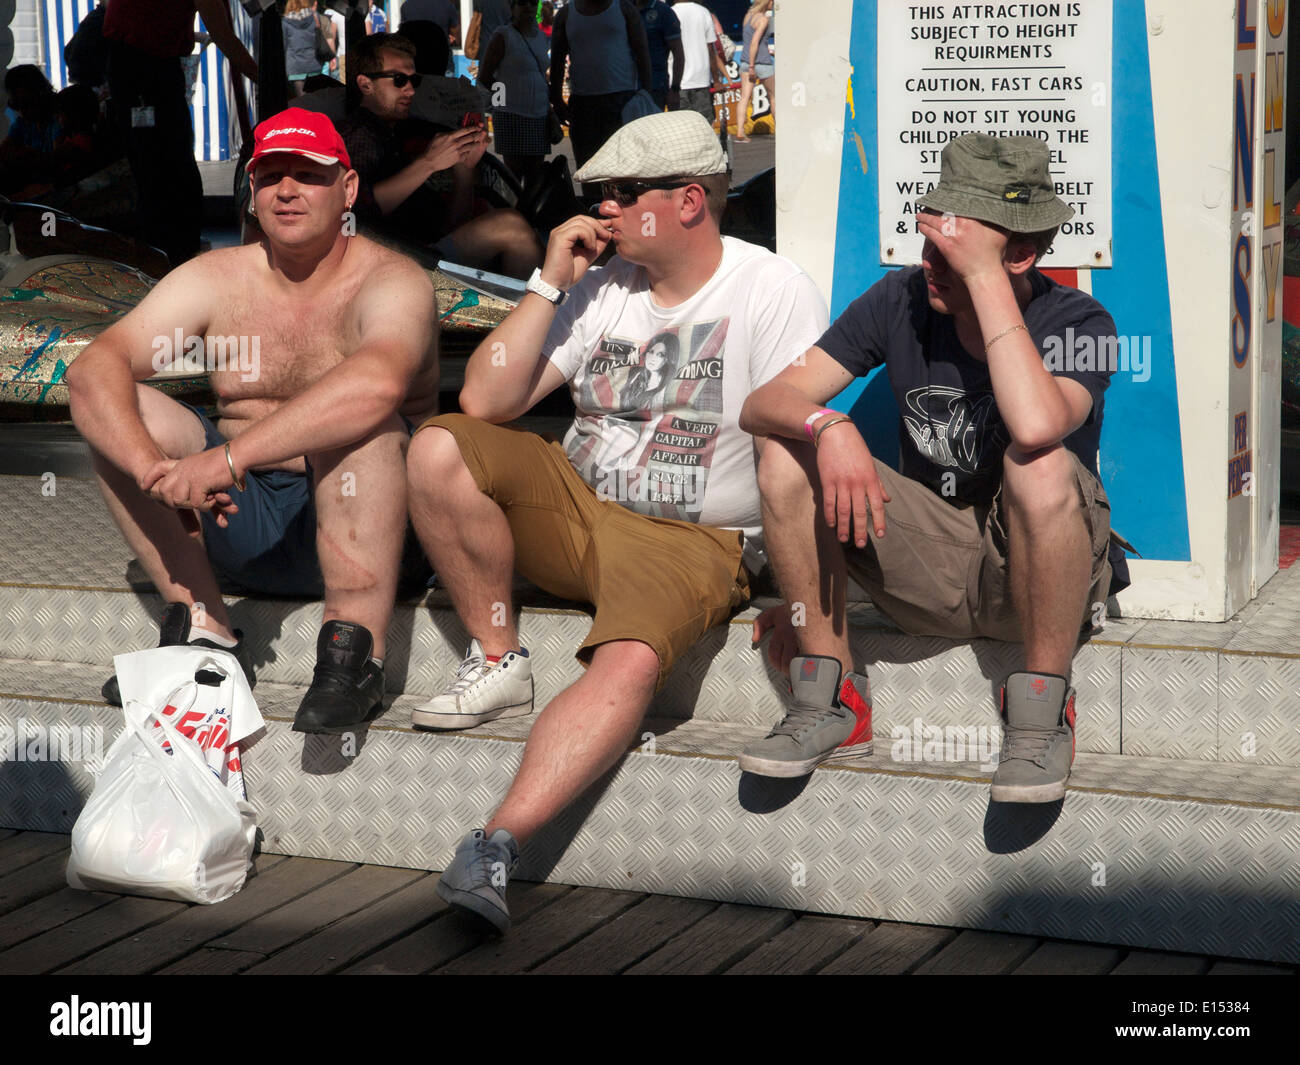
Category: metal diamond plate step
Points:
column 1146, row 688
column 1154, row 853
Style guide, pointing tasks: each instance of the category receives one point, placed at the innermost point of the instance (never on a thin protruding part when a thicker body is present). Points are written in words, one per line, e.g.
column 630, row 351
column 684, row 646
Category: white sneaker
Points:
column 482, row 691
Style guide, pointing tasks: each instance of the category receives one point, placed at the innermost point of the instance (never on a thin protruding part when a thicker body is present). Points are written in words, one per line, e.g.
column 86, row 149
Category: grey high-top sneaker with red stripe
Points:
column 1038, row 738
column 828, row 719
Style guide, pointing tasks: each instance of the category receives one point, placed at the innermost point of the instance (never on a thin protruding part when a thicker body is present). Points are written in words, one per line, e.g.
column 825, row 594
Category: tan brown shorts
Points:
column 941, row 569
column 658, row 581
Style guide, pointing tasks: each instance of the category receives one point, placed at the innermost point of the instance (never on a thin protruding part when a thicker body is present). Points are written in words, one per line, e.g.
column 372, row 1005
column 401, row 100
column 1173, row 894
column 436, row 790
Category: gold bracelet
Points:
column 239, row 482
column 1008, row 329
column 817, row 436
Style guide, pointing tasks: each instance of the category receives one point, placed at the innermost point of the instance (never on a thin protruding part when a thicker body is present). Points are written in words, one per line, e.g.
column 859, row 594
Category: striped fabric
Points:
column 216, row 130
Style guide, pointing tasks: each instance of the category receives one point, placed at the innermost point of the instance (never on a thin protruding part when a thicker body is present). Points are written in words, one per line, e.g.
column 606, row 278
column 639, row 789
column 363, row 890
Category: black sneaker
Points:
column 347, row 685
column 174, row 631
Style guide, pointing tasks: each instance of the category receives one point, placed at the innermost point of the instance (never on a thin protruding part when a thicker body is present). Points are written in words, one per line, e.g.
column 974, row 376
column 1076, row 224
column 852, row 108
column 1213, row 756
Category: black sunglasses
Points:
column 626, row 193
column 399, row 79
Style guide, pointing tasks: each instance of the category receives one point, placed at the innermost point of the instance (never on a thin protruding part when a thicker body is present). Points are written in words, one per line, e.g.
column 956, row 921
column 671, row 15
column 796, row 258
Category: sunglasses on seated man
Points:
column 399, row 79
column 626, row 193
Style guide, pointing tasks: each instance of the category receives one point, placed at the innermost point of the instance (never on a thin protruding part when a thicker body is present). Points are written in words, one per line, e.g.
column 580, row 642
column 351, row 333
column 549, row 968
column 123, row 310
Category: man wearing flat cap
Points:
column 995, row 523
column 648, row 510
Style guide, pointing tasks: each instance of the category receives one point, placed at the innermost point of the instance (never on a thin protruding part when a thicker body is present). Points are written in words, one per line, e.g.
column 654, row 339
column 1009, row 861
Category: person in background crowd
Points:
column 34, row 123
column 495, row 14
column 512, row 70
column 702, row 62
column 26, row 153
column 664, row 36
column 338, row 65
column 605, row 43
column 547, row 17
column 754, row 67
column 300, row 23
column 86, row 54
column 445, row 14
column 151, row 113
column 660, row 550
column 376, row 20
column 393, row 194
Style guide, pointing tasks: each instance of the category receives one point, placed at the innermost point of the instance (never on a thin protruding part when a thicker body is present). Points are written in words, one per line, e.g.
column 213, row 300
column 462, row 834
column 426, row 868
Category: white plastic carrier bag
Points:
column 221, row 714
column 161, row 821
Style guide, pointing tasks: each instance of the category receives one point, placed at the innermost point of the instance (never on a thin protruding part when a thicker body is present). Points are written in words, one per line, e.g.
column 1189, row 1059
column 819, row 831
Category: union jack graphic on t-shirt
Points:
column 649, row 413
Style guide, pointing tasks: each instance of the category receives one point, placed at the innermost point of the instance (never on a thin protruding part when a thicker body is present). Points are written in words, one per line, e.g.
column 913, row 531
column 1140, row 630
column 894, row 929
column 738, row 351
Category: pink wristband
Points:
column 808, row 422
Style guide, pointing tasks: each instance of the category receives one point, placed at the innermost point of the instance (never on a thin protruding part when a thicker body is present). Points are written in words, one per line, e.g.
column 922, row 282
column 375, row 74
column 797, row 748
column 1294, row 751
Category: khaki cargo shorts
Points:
column 655, row 580
column 941, row 569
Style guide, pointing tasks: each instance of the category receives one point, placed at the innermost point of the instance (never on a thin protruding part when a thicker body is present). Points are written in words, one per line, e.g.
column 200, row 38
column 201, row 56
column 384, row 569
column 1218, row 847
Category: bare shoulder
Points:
column 391, row 275
column 216, row 275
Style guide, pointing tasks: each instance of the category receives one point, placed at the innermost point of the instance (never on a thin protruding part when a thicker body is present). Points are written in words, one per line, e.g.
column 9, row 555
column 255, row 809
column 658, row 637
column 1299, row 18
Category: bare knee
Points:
column 1039, row 483
column 434, row 463
column 633, row 665
column 173, row 427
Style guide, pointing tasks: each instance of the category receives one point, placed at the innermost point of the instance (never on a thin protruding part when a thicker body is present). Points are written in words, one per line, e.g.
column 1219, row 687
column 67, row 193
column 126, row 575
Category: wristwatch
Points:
column 546, row 291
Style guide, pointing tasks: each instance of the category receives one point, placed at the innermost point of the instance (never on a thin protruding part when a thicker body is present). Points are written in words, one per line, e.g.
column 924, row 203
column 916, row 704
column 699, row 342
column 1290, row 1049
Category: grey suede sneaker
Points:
column 1038, row 738
column 476, row 879
column 819, row 725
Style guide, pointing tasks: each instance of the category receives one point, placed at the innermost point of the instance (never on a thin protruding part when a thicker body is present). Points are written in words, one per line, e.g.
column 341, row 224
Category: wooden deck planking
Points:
column 1152, row 963
column 279, row 881
column 451, row 935
column 717, row 942
column 629, row 937
column 1248, row 968
column 210, row 962
column 27, row 847
column 356, row 935
column 545, row 933
column 304, row 915
column 980, row 954
column 805, row 947
column 49, row 911
column 890, row 950
column 84, row 934
column 28, row 882
column 360, row 887
column 1056, row 958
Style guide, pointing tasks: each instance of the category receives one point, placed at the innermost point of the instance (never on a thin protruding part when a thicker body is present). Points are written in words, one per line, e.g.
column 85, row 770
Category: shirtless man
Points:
column 299, row 485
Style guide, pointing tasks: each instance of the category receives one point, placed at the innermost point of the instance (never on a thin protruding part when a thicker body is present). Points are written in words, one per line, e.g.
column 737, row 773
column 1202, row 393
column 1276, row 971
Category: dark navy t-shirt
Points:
column 949, row 422
column 661, row 26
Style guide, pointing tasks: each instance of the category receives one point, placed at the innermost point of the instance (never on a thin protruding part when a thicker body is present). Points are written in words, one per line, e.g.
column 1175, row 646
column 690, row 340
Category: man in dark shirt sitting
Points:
column 394, row 196
column 997, row 523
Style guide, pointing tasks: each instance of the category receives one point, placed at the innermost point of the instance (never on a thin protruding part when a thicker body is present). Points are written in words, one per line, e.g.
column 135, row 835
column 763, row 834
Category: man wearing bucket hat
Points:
column 995, row 523
column 319, row 346
column 649, row 509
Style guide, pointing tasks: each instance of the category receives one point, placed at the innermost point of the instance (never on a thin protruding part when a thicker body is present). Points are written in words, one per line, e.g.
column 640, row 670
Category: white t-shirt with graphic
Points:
column 658, row 390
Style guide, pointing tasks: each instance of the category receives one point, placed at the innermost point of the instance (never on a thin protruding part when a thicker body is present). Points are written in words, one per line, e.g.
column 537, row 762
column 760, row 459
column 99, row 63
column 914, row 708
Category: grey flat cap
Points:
column 672, row 144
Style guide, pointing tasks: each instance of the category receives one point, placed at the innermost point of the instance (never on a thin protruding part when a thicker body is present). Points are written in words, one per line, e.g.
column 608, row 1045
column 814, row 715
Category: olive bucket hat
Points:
column 1002, row 180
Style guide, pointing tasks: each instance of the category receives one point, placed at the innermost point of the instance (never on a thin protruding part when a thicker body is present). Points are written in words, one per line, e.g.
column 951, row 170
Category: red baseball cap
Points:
column 300, row 132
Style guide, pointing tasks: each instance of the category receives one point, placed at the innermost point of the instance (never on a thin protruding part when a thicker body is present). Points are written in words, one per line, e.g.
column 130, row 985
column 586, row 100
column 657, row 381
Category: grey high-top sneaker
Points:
column 476, row 879
column 828, row 718
column 1038, row 741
